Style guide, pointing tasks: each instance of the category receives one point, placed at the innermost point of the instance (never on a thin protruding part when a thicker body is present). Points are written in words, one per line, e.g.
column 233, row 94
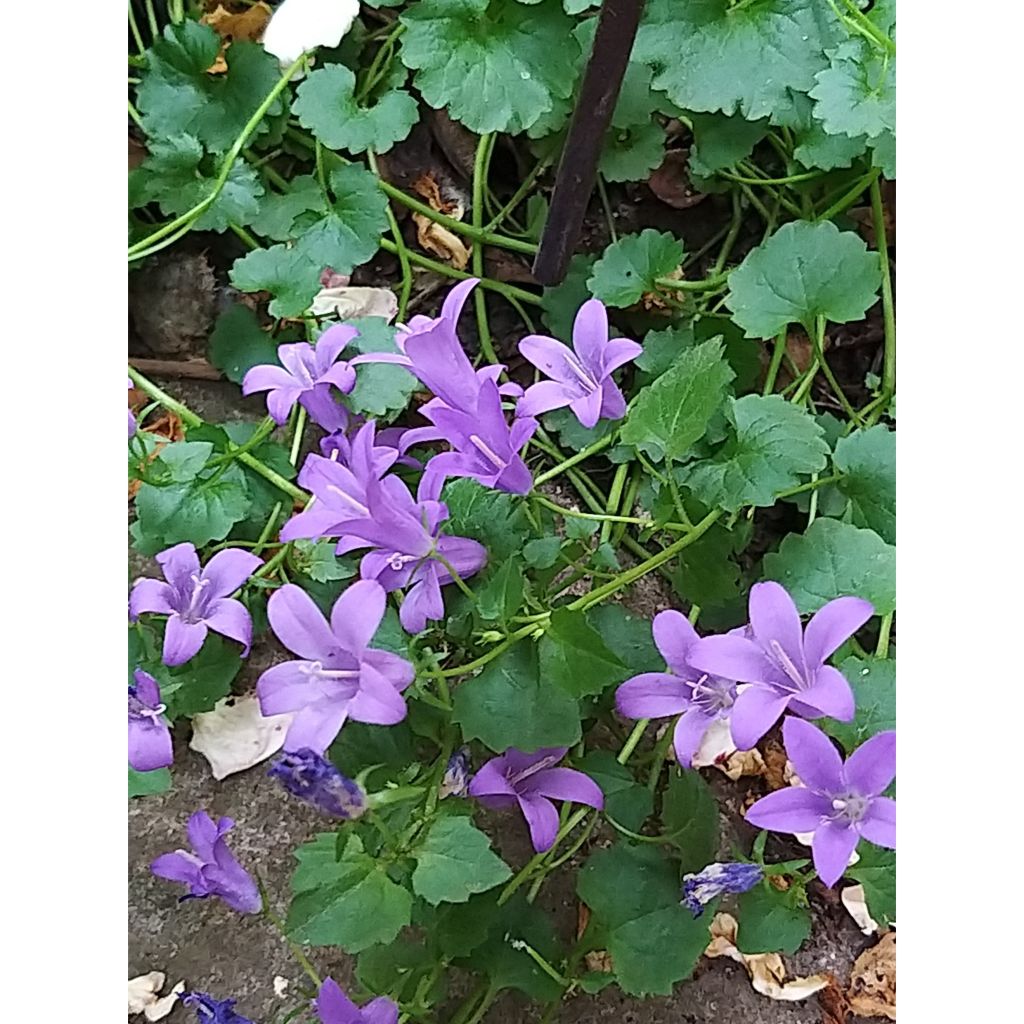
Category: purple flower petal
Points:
column 567, row 784
column 587, row 408
column 423, row 601
column 652, row 695
column 814, row 757
column 182, row 640
column 380, row 1011
column 674, row 637
column 316, row 726
column 280, row 403
column 490, row 780
column 467, row 556
column 395, row 669
column 830, row 849
column 231, row 619
column 229, row 569
column 149, row 595
column 179, row 564
column 543, row 396
column 177, row 867
column 267, row 377
column 558, row 361
column 377, row 702
column 731, row 657
column 330, row 345
column 830, row 694
column 689, row 731
column 618, row 352
column 147, row 689
column 872, row 766
column 775, row 620
column 590, row 335
column 790, row 810
column 334, row 1007
column 357, row 614
column 613, row 405
column 203, row 833
column 341, row 375
column 832, row 625
column 319, row 402
column 542, row 818
column 879, row 823
column 287, row 688
column 299, row 624
column 149, row 744
column 756, row 710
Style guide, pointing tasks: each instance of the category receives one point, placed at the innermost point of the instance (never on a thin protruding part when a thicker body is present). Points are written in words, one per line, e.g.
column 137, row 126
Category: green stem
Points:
column 614, row 502
column 403, row 252
column 582, row 455
column 773, row 367
column 134, row 115
column 531, row 865
column 300, row 426
column 136, row 34
column 788, row 180
column 730, row 238
column 594, row 516
column 850, row 196
column 519, row 196
column 477, row 214
column 884, row 631
column 888, row 309
column 660, row 753
column 634, row 739
column 607, row 206
column 247, row 238
column 706, row 284
column 813, row 485
column 819, row 351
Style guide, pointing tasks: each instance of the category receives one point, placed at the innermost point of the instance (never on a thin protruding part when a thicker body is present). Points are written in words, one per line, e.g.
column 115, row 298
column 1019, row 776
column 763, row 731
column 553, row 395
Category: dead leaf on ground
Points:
column 767, row 970
column 855, row 900
column 434, row 237
column 599, row 960
column 235, row 735
column 671, row 181
column 872, row 990
column 245, row 25
column 832, row 999
column 778, row 769
column 143, row 996
column 347, row 302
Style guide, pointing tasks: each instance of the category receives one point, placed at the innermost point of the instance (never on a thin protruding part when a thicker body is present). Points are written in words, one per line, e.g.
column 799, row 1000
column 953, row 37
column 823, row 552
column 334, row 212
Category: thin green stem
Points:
column 789, row 179
column 884, row 632
column 535, row 862
column 773, row 367
column 707, row 284
column 660, row 753
column 134, row 26
column 583, row 454
column 246, row 237
column 154, row 26
column 813, row 485
column 519, row 195
column 730, row 238
column 134, row 114
column 819, row 351
column 614, row 501
column 888, row 308
column 403, row 252
column 634, row 739
column 607, row 207
column 477, row 214
column 594, row 516
column 849, row 197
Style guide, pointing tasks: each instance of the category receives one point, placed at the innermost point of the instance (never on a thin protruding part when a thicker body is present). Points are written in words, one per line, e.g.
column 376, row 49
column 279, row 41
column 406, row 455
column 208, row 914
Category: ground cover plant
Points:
column 462, row 477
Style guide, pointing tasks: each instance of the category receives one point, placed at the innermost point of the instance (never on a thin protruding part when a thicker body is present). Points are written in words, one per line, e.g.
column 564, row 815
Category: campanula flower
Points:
column 581, row 376
column 698, row 698
column 339, row 676
column 839, row 802
column 456, row 774
column 785, row 663
column 196, row 600
column 149, row 735
column 212, row 1011
column 701, row 888
column 311, row 777
column 132, row 425
column 211, row 869
column 306, row 376
column 533, row 781
column 334, row 1007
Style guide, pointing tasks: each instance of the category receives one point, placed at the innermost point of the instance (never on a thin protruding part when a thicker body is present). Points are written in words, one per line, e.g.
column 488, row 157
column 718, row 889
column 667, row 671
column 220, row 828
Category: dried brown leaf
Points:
column 855, row 900
column 671, row 181
column 832, row 999
column 872, row 989
column 245, row 25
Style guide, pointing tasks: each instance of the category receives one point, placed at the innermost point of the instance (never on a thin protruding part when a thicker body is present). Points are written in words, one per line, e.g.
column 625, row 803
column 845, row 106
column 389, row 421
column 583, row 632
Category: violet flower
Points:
column 698, row 698
column 839, row 802
column 455, row 781
column 211, row 869
column 196, row 600
column 149, row 735
column 306, row 376
column 311, row 777
column 701, row 888
column 334, row 1007
column 581, row 375
column 132, row 424
column 532, row 781
column 340, row 676
column 785, row 663
column 212, row 1011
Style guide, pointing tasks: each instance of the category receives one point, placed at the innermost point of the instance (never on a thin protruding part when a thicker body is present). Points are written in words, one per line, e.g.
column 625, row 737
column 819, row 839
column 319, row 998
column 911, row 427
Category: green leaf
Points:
column 675, row 410
column 381, row 390
column 572, row 433
column 499, row 598
column 511, row 705
column 326, row 105
column 178, row 176
column 196, row 686
column 542, row 553
column 631, row 153
column 455, row 861
column 288, row 273
column 574, row 657
column 148, row 783
column 360, row 744
column 706, row 573
column 562, row 303
column 874, row 691
column 507, row 966
column 628, row 636
column 349, row 902
column 816, row 148
column 460, row 928
column 867, row 460
column 493, row 518
column 883, row 154
column 184, row 460
column 856, row 94
column 279, row 210
column 720, row 141
column 662, row 348
column 396, row 969
column 716, row 55
column 633, row 894
column 495, row 65
column 689, row 815
column 770, row 445
column 625, row 800
column 178, row 97
column 833, row 559
column 317, row 560
column 630, row 266
column 770, row 922
column 876, row 871
column 237, row 343
column 802, row 272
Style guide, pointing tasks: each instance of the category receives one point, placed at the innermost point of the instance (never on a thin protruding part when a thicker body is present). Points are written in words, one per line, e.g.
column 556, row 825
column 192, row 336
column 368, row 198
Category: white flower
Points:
column 301, row 25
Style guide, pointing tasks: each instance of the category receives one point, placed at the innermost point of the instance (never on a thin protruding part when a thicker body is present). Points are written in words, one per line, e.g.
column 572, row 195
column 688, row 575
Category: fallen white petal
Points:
column 301, row 25
column 347, row 303
column 855, row 900
column 715, row 746
column 162, row 1007
column 235, row 736
column 280, row 986
column 143, row 989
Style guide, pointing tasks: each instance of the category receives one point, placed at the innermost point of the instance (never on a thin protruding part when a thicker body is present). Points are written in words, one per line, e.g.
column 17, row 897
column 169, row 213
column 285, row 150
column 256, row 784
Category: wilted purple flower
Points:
column 196, row 600
column 149, row 735
column 701, row 888
column 311, row 777
column 340, row 677
column 698, row 698
column 211, row 869
column 456, row 774
column 785, row 663
column 212, row 1011
column 839, row 802
column 533, row 781
column 306, row 376
column 581, row 379
column 334, row 1007
column 132, row 425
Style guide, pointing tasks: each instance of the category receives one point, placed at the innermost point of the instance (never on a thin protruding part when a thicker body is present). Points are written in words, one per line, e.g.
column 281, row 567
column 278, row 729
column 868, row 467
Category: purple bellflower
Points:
column 132, row 424
column 581, row 376
column 306, row 376
column 455, row 781
column 149, row 735
column 701, row 888
column 196, row 600
column 211, row 869
column 839, row 802
column 698, row 698
column 784, row 662
column 334, row 1007
column 311, row 777
column 338, row 446
column 212, row 1011
column 340, row 676
column 533, row 781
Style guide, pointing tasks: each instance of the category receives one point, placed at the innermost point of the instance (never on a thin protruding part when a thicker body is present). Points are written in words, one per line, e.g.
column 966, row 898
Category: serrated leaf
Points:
column 771, row 445
column 454, row 861
column 500, row 596
column 625, row 800
column 381, row 390
column 867, row 460
column 706, row 574
column 873, row 683
column 674, row 411
column 495, row 65
column 876, row 871
column 770, row 922
column 326, row 105
column 148, row 783
column 689, row 816
column 286, row 272
column 574, row 657
column 511, row 705
column 631, row 153
column 720, row 141
column 802, row 272
column 542, row 553
column 633, row 895
column 833, row 559
column 629, row 267
column 628, row 636
column 856, row 95
column 279, row 210
column 493, row 518
column 237, row 343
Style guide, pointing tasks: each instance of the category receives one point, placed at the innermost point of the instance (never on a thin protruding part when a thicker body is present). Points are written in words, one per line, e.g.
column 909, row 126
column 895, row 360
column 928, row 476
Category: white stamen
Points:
column 487, row 452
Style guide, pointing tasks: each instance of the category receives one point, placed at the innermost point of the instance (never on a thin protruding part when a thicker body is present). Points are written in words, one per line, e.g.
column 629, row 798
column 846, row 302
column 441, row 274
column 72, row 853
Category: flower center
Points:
column 306, row 367
column 783, row 660
column 488, row 453
column 138, row 709
column 849, row 808
column 584, row 378
column 194, row 611
column 398, row 561
column 712, row 695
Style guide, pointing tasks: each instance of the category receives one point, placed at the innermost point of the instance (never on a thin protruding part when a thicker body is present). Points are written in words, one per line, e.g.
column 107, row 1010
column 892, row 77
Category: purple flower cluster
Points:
column 715, row 880
column 311, row 777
